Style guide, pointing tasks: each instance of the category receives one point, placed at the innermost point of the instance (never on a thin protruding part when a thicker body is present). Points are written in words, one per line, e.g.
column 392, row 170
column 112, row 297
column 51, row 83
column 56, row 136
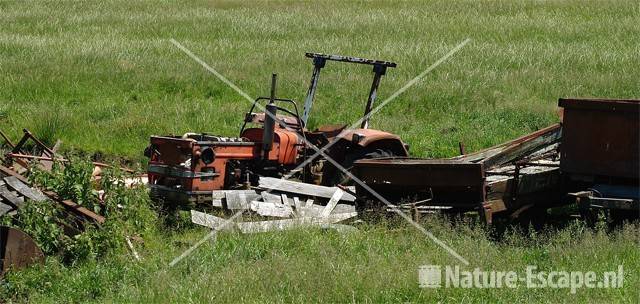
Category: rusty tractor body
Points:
column 188, row 168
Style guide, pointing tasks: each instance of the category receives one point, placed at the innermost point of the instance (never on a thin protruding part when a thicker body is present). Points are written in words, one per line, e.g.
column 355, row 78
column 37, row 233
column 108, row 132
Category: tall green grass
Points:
column 103, row 76
column 373, row 265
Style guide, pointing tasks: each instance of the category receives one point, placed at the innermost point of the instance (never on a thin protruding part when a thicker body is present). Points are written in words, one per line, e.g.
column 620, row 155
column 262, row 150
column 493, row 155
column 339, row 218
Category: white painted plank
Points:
column 285, row 200
column 265, row 226
column 215, row 222
column 208, row 220
column 298, row 205
column 308, row 203
column 335, row 198
column 301, row 188
column 271, row 209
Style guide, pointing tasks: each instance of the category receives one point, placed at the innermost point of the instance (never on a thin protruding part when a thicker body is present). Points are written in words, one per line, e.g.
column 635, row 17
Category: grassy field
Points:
column 376, row 264
column 103, row 76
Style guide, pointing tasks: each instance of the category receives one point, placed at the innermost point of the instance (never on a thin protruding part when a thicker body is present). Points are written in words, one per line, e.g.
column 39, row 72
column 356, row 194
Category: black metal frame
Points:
column 319, row 61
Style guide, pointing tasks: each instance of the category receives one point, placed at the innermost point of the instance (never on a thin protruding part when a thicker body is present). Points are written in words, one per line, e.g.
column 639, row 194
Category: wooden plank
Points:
column 239, row 199
column 271, row 209
column 221, row 194
column 308, row 203
column 10, row 172
column 207, row 220
column 236, row 201
column 25, row 190
column 265, row 226
column 335, row 198
column 285, row 200
column 4, row 209
column 271, row 198
column 301, row 188
column 298, row 205
column 75, row 208
column 215, row 222
column 13, row 199
column 313, row 210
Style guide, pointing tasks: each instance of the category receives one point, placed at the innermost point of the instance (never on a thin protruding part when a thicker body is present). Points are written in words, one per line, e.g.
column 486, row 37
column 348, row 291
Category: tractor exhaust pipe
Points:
column 269, row 120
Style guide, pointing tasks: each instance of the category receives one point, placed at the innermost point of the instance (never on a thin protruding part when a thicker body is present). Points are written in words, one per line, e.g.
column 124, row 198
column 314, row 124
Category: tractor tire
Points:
column 333, row 176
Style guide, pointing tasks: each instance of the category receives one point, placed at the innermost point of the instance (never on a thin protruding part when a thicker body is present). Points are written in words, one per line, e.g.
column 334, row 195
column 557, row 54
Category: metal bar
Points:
column 351, row 59
column 37, row 141
column 7, row 140
column 24, row 156
column 18, row 147
column 318, row 64
column 379, row 70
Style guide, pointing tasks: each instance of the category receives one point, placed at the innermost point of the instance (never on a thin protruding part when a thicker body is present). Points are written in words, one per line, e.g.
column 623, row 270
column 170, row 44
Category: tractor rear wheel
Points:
column 332, row 176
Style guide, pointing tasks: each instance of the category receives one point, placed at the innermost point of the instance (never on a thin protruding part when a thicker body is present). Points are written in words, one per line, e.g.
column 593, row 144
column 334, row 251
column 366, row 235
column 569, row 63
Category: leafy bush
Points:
column 127, row 211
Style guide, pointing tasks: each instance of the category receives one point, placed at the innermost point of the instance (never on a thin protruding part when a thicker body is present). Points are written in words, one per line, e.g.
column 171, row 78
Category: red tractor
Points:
column 188, row 168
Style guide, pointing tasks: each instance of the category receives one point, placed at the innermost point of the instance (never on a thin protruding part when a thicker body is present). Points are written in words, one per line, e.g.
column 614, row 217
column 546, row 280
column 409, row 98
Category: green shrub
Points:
column 127, row 211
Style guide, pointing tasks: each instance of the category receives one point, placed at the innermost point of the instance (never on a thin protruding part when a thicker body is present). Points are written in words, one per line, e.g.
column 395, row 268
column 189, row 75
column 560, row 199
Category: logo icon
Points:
column 430, row 276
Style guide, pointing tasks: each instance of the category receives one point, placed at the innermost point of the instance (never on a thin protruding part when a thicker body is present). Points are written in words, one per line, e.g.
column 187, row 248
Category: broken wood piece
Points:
column 221, row 194
column 133, row 250
column 211, row 221
column 4, row 209
column 236, row 200
column 271, row 198
column 308, row 203
column 218, row 223
column 271, row 209
column 335, row 198
column 75, row 208
column 300, row 188
column 11, row 197
column 265, row 226
column 298, row 205
column 24, row 189
column 285, row 200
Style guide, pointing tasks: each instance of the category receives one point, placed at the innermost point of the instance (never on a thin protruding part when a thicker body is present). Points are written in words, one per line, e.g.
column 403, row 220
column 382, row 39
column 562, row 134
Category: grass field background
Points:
column 103, row 76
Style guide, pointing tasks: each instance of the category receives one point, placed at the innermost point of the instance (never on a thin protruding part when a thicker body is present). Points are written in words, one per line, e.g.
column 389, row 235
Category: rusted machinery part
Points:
column 18, row 250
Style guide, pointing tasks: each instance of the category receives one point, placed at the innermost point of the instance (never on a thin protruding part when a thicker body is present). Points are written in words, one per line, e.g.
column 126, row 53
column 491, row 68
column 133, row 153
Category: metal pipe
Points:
column 60, row 159
column 379, row 70
column 269, row 120
column 318, row 64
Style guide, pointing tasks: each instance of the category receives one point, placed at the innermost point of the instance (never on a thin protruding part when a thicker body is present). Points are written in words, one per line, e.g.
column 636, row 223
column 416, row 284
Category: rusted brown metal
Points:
column 7, row 140
column 17, row 250
column 28, row 135
column 450, row 182
column 513, row 177
column 601, row 137
column 516, row 149
column 61, row 159
column 75, row 208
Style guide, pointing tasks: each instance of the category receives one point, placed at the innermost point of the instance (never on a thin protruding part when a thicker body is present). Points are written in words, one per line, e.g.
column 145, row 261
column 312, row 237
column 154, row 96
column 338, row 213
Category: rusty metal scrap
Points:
column 17, row 250
column 609, row 130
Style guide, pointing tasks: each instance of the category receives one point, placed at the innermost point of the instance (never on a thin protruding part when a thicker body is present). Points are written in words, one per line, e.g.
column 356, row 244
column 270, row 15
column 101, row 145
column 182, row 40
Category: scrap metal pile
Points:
column 18, row 249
